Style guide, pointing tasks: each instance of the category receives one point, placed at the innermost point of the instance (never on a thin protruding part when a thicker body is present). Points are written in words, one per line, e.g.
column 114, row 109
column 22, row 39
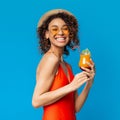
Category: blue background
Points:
column 19, row 55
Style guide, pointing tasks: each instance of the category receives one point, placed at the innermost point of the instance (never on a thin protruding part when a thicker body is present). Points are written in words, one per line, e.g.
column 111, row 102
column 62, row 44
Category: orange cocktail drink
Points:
column 84, row 58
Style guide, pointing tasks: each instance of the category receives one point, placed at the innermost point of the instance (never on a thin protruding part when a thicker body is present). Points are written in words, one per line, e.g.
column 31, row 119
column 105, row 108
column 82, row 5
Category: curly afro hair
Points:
column 72, row 24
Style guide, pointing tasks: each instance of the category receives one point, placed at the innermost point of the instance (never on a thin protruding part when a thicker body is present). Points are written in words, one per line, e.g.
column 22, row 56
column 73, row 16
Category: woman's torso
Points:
column 64, row 108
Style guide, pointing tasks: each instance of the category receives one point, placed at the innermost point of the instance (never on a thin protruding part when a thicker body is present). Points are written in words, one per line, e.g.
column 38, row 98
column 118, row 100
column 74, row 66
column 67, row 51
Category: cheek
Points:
column 51, row 36
column 66, row 32
column 54, row 32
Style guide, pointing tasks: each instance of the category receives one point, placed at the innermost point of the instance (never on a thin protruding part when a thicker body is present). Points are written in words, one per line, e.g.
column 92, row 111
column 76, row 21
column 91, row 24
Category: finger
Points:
column 85, row 76
column 86, row 69
column 93, row 64
column 91, row 61
column 85, row 80
column 94, row 68
column 79, row 75
column 90, row 75
column 82, row 78
column 89, row 64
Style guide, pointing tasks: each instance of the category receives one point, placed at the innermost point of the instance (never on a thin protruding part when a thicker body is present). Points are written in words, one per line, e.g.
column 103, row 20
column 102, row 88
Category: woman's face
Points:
column 58, row 33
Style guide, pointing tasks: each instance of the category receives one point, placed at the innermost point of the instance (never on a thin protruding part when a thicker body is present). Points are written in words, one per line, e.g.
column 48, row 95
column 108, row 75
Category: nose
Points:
column 60, row 32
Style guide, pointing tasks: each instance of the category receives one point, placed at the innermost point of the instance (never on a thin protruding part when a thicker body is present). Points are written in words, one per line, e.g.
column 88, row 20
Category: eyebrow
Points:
column 54, row 26
column 57, row 26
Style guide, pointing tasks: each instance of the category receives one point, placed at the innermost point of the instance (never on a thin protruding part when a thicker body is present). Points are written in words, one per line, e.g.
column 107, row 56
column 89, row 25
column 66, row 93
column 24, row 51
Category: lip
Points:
column 60, row 39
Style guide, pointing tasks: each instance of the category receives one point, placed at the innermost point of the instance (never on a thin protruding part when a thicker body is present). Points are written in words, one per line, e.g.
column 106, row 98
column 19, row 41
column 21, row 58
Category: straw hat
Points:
column 51, row 12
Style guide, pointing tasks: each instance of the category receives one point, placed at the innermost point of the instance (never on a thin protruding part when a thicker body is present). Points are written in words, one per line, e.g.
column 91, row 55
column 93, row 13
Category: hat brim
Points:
column 49, row 13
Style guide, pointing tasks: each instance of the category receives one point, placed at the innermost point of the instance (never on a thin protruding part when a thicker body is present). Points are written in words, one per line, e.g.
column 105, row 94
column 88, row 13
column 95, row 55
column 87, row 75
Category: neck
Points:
column 57, row 51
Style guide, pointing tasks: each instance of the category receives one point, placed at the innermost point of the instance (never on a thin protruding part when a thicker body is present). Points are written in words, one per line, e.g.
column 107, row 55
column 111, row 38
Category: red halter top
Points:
column 63, row 109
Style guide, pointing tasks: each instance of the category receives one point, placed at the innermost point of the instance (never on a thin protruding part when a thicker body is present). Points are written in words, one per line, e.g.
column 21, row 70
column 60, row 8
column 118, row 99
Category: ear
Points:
column 46, row 35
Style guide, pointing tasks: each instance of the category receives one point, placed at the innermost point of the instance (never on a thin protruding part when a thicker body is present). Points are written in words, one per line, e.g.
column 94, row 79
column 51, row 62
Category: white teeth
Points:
column 59, row 39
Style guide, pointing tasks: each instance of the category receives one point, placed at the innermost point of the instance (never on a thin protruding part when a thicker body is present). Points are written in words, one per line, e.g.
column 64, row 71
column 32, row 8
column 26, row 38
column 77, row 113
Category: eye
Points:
column 65, row 28
column 54, row 29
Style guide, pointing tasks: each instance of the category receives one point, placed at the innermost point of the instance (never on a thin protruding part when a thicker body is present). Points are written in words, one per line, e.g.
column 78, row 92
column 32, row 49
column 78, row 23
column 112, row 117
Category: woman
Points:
column 56, row 86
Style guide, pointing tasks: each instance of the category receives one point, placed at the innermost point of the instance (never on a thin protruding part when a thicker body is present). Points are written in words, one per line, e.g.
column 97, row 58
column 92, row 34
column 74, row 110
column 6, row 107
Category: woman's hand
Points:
column 90, row 72
column 79, row 80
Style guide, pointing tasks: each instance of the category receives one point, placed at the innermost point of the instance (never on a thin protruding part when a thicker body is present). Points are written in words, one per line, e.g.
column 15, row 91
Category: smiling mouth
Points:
column 60, row 39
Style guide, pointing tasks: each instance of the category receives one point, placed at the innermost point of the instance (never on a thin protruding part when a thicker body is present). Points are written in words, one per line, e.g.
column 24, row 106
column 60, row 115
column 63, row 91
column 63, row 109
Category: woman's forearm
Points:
column 80, row 100
column 50, row 97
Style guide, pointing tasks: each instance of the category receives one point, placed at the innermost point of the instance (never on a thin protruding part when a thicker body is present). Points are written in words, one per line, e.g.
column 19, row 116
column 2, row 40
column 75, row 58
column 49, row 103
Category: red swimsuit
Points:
column 63, row 109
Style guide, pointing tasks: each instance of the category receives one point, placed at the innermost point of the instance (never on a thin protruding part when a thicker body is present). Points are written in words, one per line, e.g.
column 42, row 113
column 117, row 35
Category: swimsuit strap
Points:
column 66, row 71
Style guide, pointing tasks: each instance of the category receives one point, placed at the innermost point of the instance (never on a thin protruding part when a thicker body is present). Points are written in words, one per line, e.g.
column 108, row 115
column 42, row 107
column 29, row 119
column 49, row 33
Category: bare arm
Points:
column 80, row 99
column 46, row 72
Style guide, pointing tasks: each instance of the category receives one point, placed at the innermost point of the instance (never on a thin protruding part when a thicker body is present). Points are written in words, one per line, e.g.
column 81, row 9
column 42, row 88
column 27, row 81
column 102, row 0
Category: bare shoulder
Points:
column 48, row 59
column 48, row 65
